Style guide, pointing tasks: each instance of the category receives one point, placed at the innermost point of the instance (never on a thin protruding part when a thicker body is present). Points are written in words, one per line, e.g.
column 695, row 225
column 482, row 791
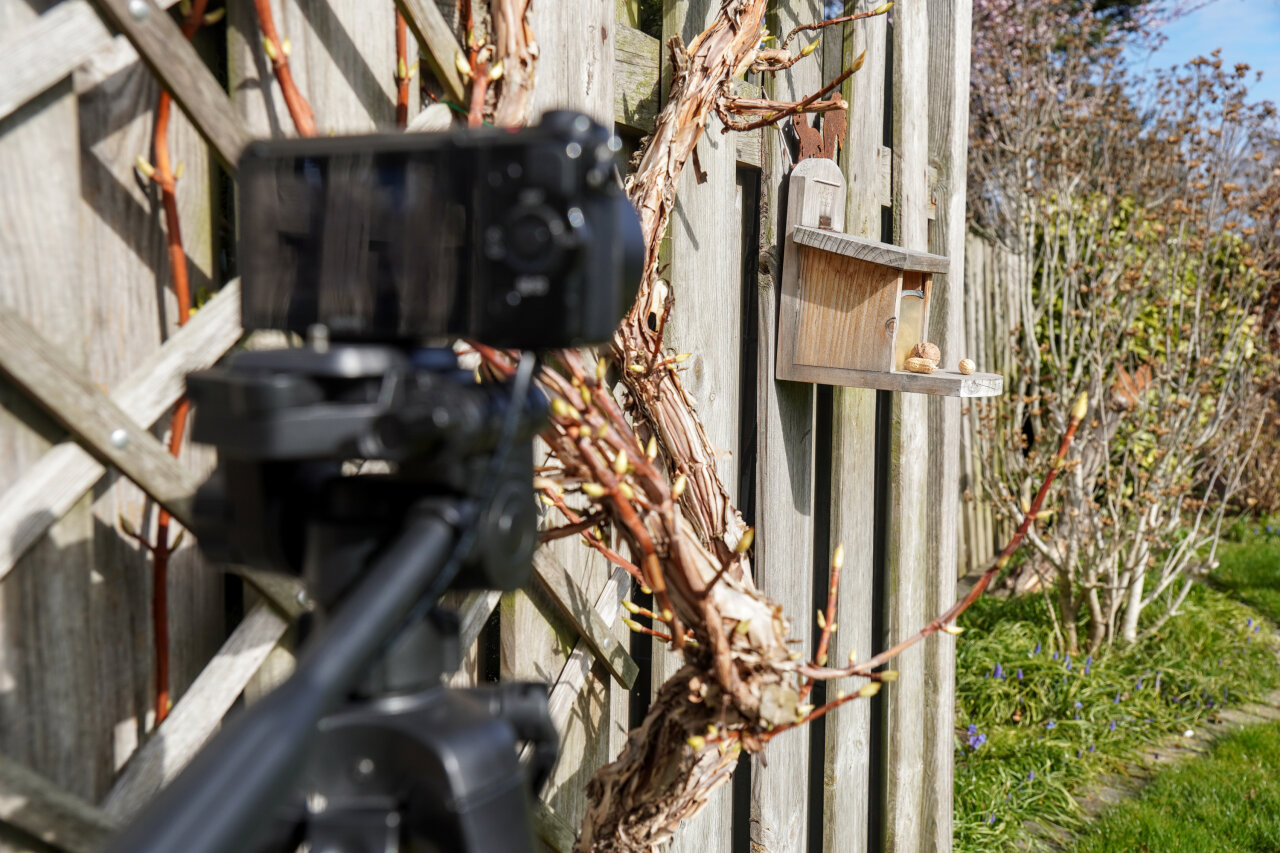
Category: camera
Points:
column 517, row 238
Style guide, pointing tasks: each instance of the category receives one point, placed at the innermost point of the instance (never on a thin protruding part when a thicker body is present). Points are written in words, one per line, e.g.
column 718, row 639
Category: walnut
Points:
column 927, row 351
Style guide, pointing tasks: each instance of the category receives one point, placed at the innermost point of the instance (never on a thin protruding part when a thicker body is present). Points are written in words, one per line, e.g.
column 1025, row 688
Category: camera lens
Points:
column 535, row 239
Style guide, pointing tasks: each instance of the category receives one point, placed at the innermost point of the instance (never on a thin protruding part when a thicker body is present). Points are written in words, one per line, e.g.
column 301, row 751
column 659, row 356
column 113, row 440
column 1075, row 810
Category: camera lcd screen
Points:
column 370, row 240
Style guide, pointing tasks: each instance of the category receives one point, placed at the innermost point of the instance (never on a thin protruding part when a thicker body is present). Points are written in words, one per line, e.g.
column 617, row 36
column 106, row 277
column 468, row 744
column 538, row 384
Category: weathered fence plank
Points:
column 197, row 714
column 433, row 33
column 948, row 85
column 343, row 61
column 593, row 629
column 27, row 65
column 784, row 472
column 703, row 258
column 635, row 70
column 52, row 718
column 50, row 487
column 576, row 55
column 174, row 61
column 848, row 797
column 46, row 812
column 31, row 364
column 913, row 567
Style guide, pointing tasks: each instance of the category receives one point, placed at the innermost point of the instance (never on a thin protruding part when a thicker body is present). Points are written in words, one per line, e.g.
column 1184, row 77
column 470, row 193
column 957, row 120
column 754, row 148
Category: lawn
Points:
column 1250, row 569
column 1229, row 801
column 1034, row 726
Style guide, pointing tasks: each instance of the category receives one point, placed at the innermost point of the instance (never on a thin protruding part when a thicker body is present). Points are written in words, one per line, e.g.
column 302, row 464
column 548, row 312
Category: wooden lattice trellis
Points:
column 892, row 463
column 113, row 430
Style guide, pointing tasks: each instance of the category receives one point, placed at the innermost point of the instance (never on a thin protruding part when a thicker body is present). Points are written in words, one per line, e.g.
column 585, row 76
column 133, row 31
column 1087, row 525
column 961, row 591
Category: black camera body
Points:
column 517, row 238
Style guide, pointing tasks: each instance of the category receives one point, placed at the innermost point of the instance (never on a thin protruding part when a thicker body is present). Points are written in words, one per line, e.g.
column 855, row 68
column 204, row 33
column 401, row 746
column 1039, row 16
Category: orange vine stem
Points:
column 299, row 110
column 166, row 179
column 799, row 106
column 831, row 22
column 402, row 71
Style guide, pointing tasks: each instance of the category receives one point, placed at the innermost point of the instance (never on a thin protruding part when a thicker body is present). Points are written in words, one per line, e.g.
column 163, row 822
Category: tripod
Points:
column 361, row 749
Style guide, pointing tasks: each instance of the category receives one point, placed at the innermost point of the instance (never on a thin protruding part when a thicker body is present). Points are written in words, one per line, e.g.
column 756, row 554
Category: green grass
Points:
column 1250, row 569
column 1041, row 746
column 1229, row 801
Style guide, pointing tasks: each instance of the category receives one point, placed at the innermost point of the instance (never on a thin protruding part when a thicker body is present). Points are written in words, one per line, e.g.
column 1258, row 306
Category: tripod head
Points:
column 362, row 748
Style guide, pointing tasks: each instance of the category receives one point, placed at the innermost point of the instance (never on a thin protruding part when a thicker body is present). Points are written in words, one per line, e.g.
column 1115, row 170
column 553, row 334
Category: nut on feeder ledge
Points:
column 854, row 311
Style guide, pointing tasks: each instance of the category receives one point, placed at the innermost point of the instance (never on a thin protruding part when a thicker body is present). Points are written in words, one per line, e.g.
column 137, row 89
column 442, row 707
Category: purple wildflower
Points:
column 1035, row 651
column 1078, row 753
column 1055, row 655
column 977, row 740
column 1138, row 686
column 991, row 819
column 1092, row 747
column 973, row 730
column 1249, row 622
column 1113, row 725
column 1019, row 673
column 1079, row 704
column 1031, row 775
column 1068, row 664
column 1051, row 725
column 1116, row 701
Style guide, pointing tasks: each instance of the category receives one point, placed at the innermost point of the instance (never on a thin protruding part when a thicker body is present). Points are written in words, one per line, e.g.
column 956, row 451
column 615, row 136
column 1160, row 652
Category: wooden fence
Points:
column 91, row 364
column 992, row 314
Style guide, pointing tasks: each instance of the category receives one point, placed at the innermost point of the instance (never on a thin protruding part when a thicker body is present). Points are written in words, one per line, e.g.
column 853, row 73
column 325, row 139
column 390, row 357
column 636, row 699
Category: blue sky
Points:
column 1246, row 30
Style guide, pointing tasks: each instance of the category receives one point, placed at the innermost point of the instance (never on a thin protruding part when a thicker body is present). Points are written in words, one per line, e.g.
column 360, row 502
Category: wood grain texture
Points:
column 909, row 575
column 576, row 672
column 635, row 71
column 44, row 811
column 820, row 188
column 847, row 797
column 56, row 708
column 848, row 312
column 441, row 46
column 343, row 60
column 941, row 383
column 44, row 52
column 574, row 71
column 121, row 297
column 871, row 251
column 592, row 628
column 704, row 275
column 784, row 472
column 179, row 68
column 40, row 371
column 948, row 104
column 50, row 487
column 28, row 66
column 197, row 715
